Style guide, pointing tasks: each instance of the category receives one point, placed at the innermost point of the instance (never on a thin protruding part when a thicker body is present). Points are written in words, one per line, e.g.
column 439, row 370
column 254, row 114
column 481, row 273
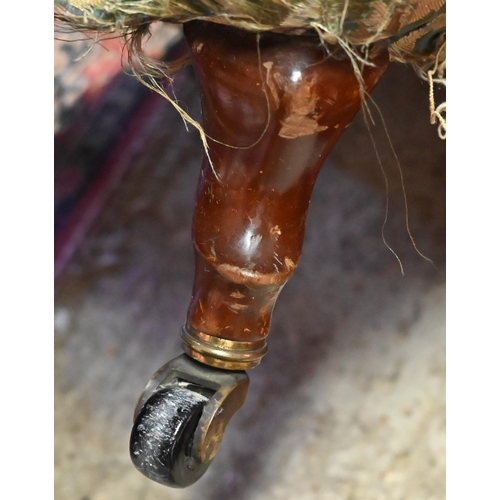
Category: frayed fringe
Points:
column 415, row 31
column 408, row 25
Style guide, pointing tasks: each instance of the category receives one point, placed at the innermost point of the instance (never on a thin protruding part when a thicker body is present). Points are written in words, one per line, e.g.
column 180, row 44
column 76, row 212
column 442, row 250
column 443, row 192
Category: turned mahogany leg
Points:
column 273, row 107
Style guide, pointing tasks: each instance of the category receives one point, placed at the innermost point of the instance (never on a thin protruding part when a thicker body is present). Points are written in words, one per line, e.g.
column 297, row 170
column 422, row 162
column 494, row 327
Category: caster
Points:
column 180, row 420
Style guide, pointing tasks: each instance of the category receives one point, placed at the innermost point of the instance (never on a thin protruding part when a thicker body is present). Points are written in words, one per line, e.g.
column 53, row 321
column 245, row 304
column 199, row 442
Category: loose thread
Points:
column 437, row 112
column 386, row 182
column 401, row 177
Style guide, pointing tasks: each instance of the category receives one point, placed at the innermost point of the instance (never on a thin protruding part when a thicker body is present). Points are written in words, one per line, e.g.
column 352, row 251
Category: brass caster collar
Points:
column 222, row 353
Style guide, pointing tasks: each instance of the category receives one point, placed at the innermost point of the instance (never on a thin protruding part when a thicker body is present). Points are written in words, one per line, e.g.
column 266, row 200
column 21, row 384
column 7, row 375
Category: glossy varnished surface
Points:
column 273, row 107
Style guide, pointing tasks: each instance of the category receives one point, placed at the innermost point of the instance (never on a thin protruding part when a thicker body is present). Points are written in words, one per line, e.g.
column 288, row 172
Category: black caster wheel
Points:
column 161, row 444
column 180, row 419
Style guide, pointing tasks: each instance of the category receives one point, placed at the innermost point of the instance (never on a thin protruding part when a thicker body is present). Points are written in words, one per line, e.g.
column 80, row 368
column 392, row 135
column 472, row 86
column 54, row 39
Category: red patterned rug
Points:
column 98, row 109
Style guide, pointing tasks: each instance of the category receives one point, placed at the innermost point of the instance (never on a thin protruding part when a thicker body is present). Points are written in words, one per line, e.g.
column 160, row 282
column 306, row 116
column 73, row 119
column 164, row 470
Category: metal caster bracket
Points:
column 180, row 419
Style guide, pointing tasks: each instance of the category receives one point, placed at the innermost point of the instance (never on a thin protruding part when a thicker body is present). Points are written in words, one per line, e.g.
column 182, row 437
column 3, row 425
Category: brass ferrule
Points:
column 222, row 353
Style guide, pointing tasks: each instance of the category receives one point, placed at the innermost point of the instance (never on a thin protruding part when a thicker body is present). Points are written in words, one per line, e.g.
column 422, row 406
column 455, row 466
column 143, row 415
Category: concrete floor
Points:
column 349, row 404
